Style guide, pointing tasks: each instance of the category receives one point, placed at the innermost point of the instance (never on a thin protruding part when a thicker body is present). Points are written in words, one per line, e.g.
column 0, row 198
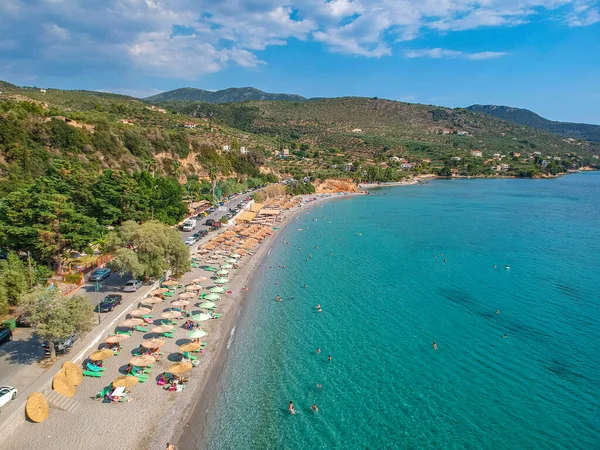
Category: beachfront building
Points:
column 456, row 158
column 462, row 133
column 407, row 165
column 189, row 125
column 394, row 159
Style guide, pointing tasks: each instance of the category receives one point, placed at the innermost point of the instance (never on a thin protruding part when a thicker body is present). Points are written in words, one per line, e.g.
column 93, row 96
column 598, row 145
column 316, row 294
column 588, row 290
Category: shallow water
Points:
column 386, row 298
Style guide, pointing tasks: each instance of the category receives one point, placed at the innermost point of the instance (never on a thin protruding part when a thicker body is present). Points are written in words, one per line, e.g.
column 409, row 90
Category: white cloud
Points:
column 439, row 53
column 232, row 32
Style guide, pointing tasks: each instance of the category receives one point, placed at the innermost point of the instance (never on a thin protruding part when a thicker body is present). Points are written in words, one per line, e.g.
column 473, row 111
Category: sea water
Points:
column 395, row 272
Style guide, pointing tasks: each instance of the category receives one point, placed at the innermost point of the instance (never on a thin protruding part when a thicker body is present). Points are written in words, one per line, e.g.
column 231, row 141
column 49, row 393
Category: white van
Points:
column 189, row 225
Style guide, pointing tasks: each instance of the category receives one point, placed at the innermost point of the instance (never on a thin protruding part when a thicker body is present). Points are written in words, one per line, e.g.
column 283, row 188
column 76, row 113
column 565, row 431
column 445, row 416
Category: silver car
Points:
column 132, row 286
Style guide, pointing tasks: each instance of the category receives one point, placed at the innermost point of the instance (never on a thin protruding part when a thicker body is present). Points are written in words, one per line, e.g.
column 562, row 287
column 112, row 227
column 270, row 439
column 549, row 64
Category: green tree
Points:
column 56, row 316
column 14, row 278
column 148, row 250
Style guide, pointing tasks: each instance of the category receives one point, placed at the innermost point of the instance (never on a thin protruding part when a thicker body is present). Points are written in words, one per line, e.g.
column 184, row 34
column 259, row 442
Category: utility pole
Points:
column 98, row 299
column 30, row 270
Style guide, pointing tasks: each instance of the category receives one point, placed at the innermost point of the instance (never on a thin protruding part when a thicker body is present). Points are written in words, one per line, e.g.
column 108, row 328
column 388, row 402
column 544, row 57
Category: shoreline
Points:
column 193, row 433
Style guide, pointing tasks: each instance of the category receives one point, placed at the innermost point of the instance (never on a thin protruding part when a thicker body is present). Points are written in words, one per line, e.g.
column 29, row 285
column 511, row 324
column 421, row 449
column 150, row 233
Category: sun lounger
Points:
column 95, row 368
column 104, row 392
column 217, row 316
column 189, row 356
column 168, row 294
column 148, row 320
column 128, row 333
column 141, row 329
column 168, row 335
column 89, row 373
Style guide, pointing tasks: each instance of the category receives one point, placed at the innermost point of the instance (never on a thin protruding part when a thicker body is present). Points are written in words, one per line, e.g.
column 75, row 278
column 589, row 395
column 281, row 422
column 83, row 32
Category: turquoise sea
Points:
column 386, row 298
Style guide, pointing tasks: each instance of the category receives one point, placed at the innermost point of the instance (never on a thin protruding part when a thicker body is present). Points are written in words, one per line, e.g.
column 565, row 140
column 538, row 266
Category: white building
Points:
column 357, row 130
column 226, row 148
column 477, row 153
column 243, row 150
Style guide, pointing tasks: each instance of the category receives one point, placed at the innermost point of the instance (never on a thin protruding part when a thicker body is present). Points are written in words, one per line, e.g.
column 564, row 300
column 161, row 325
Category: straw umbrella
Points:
column 179, row 368
column 189, row 347
column 159, row 291
column 170, row 283
column 193, row 287
column 130, row 323
column 117, row 338
column 62, row 385
column 125, row 381
column 152, row 300
column 139, row 312
column 153, row 343
column 163, row 329
column 73, row 372
column 101, row 355
column 142, row 361
column 171, row 315
column 180, row 303
column 37, row 408
column 199, row 279
column 185, row 295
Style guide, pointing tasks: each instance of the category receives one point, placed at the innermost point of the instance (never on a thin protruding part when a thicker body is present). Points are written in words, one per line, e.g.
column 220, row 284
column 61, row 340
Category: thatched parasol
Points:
column 62, row 385
column 199, row 279
column 125, row 381
column 179, row 368
column 171, row 315
column 139, row 312
column 170, row 283
column 193, row 287
column 163, row 329
column 187, row 295
column 189, row 347
column 130, row 323
column 179, row 303
column 153, row 343
column 73, row 372
column 37, row 407
column 152, row 300
column 101, row 355
column 159, row 291
column 142, row 361
column 117, row 338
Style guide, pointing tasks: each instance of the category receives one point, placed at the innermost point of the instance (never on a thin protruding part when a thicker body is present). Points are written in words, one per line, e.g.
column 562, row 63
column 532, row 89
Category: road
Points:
column 26, row 348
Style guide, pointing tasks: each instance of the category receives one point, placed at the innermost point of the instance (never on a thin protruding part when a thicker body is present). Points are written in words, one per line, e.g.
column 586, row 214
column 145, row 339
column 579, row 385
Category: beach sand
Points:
column 154, row 416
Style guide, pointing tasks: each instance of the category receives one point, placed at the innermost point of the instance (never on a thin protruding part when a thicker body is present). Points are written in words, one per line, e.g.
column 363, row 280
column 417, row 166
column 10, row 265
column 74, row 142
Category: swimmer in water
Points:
column 434, row 345
column 507, row 267
column 291, row 408
column 314, row 408
column 495, row 267
column 305, row 285
column 329, row 358
column 504, row 337
column 497, row 311
column 319, row 386
column 444, row 260
column 318, row 351
column 318, row 306
column 278, row 299
column 319, row 310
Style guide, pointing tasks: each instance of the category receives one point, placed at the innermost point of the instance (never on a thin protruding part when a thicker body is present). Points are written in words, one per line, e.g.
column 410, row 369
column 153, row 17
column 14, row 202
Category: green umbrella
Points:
column 222, row 272
column 226, row 266
column 195, row 334
column 217, row 290
column 200, row 317
column 210, row 269
column 230, row 260
column 235, row 255
column 212, row 297
column 221, row 280
column 207, row 305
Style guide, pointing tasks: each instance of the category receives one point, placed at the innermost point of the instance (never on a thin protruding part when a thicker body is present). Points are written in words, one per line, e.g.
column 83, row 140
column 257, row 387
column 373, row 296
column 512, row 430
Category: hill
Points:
column 585, row 131
column 231, row 95
column 371, row 128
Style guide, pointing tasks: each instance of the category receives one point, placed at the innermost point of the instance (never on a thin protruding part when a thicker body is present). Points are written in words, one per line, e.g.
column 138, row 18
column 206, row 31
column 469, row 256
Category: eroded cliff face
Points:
column 334, row 186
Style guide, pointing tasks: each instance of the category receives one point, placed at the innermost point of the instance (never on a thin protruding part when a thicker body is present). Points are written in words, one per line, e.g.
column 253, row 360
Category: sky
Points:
column 542, row 55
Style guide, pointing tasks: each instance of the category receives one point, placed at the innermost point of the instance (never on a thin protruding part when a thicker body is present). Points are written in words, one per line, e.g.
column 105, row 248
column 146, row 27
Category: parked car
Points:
column 23, row 321
column 109, row 303
column 5, row 335
column 132, row 286
column 61, row 346
column 190, row 241
column 7, row 393
column 197, row 235
column 209, row 222
column 100, row 274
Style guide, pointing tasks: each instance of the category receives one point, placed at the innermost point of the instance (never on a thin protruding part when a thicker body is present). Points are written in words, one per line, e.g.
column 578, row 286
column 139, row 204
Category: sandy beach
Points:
column 154, row 416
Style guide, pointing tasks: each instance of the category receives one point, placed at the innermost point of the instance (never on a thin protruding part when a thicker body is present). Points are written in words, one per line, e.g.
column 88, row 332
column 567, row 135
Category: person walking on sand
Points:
column 434, row 345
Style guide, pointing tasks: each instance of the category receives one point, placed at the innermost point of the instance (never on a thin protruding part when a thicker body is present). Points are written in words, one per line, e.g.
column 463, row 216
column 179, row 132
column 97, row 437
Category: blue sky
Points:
column 543, row 55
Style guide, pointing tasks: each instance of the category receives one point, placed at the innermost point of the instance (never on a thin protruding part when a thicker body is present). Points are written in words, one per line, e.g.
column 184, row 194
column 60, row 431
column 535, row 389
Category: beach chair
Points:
column 141, row 329
column 128, row 333
column 147, row 316
column 217, row 316
column 168, row 335
column 89, row 373
column 168, row 294
column 104, row 392
column 148, row 320
column 190, row 356
column 95, row 368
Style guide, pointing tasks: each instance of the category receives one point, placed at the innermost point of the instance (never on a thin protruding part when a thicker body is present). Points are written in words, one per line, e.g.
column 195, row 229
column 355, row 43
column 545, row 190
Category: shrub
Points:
column 73, row 278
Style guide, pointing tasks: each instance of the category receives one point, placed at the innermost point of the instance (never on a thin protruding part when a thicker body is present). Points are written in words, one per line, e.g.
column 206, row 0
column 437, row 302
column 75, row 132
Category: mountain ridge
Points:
column 589, row 132
column 229, row 95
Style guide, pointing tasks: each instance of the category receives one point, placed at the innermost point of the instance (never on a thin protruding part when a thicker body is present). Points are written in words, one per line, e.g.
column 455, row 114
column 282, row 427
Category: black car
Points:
column 109, row 303
column 209, row 222
column 197, row 235
column 5, row 335
column 23, row 321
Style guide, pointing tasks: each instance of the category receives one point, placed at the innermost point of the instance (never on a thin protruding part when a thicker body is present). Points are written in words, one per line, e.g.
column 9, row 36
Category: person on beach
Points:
column 434, row 345
column 314, row 408
column 170, row 446
column 291, row 408
column 245, row 289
